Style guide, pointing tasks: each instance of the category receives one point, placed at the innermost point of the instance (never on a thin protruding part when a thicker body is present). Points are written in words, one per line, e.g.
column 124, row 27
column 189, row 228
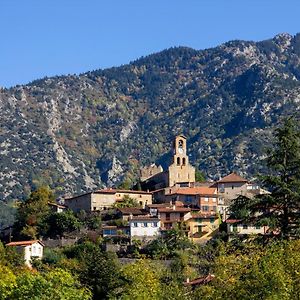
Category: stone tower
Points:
column 180, row 171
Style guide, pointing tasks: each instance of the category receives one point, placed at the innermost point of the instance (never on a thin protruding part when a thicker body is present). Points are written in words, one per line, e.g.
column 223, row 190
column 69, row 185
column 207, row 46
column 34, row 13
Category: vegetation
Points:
column 279, row 210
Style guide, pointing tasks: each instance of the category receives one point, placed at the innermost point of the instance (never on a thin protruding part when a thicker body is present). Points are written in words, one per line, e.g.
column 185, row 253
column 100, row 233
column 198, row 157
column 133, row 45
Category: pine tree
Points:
column 280, row 209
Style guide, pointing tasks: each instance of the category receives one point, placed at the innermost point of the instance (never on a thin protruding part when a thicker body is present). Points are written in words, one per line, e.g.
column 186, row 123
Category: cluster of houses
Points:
column 169, row 199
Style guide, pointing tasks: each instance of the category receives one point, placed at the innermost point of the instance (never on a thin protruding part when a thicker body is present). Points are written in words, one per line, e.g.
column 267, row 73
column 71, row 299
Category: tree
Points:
column 126, row 202
column 199, row 176
column 98, row 270
column 32, row 211
column 280, row 209
column 57, row 224
column 141, row 282
column 56, row 284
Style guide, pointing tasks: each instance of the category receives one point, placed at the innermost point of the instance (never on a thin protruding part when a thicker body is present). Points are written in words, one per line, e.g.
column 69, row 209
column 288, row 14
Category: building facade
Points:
column 29, row 249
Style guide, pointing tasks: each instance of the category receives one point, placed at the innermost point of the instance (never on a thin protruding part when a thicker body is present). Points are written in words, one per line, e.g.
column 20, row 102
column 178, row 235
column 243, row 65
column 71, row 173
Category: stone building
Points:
column 180, row 171
column 104, row 199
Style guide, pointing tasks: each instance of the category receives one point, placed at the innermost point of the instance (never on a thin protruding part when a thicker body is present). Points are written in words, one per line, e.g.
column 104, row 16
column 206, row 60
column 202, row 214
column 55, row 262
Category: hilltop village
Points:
column 168, row 200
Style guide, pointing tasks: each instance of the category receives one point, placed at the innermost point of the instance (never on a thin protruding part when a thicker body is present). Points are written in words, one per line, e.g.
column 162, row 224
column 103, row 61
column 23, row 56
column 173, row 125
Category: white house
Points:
column 30, row 249
column 238, row 227
column 144, row 227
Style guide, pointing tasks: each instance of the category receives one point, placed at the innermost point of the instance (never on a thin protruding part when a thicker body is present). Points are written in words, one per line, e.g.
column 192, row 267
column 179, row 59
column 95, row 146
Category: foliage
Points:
column 141, row 282
column 126, row 202
column 280, row 210
column 199, row 176
column 167, row 246
column 256, row 273
column 56, row 224
column 31, row 213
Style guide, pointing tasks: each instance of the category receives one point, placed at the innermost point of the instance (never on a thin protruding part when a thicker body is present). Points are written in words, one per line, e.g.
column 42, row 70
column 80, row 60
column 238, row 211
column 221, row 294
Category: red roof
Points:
column 24, row 243
column 173, row 209
column 131, row 210
column 114, row 191
column 144, row 218
column 232, row 221
column 233, row 177
column 202, row 190
column 200, row 280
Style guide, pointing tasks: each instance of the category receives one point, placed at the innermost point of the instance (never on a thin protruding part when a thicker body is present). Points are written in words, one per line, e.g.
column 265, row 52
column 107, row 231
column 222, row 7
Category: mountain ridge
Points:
column 79, row 132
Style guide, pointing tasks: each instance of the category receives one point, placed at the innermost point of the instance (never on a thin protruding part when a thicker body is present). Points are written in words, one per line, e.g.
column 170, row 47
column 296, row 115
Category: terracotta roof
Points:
column 131, row 210
column 56, row 205
column 232, row 221
column 146, row 218
column 157, row 205
column 201, row 190
column 24, row 243
column 204, row 215
column 173, row 209
column 233, row 177
column 114, row 191
column 200, row 280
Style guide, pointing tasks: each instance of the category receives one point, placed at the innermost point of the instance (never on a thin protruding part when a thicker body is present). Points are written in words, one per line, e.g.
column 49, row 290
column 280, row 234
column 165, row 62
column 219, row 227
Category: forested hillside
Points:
column 76, row 133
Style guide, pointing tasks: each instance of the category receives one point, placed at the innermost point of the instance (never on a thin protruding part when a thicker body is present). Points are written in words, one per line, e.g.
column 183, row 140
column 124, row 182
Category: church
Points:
column 180, row 172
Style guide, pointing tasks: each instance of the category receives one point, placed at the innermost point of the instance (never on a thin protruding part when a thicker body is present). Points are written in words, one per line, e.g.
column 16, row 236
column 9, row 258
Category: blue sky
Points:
column 53, row 37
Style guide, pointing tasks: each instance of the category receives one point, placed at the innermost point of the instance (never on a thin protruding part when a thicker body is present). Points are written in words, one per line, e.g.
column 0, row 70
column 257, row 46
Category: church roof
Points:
column 233, row 177
column 203, row 190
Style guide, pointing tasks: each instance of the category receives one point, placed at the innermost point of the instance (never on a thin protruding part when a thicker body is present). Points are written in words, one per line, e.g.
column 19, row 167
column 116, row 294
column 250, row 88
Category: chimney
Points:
column 130, row 216
column 174, row 207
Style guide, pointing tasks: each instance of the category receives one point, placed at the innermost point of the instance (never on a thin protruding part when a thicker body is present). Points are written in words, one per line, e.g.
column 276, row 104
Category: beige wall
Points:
column 142, row 199
column 206, row 226
column 180, row 173
column 232, row 190
column 102, row 201
column 79, row 203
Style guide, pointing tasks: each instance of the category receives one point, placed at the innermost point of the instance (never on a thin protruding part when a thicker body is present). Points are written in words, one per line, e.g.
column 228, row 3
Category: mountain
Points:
column 79, row 132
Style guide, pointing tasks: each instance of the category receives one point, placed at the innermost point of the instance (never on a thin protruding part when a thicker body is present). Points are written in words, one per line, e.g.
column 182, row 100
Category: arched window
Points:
column 178, row 161
column 183, row 161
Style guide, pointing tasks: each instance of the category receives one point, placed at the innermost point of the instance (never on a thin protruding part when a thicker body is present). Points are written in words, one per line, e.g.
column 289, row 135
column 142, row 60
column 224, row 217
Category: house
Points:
column 114, row 231
column 144, row 227
column 180, row 171
column 173, row 216
column 127, row 212
column 201, row 226
column 105, row 199
column 30, row 249
column 234, row 226
column 204, row 198
column 231, row 186
column 57, row 208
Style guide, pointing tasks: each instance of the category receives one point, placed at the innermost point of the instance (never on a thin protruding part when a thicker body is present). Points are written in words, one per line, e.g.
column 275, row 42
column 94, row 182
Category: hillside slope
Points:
column 77, row 133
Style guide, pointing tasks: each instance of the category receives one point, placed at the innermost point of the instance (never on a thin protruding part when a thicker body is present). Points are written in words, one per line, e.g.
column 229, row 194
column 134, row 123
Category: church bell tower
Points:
column 180, row 171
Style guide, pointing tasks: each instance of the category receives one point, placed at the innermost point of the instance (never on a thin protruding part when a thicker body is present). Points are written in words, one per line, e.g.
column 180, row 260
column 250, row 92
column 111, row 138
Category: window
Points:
column 168, row 216
column 205, row 208
column 155, row 224
column 214, row 199
column 141, row 203
column 135, row 224
column 222, row 188
column 145, row 224
column 183, row 161
column 205, row 199
column 94, row 208
column 178, row 161
column 245, row 226
column 214, row 208
column 257, row 227
column 232, row 187
column 212, row 221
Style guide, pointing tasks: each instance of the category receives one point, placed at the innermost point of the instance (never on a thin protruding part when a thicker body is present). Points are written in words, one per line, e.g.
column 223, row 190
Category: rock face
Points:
column 76, row 133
